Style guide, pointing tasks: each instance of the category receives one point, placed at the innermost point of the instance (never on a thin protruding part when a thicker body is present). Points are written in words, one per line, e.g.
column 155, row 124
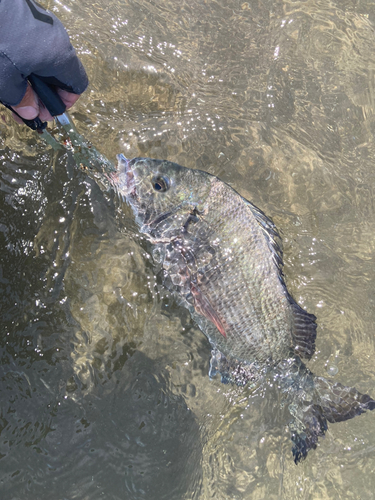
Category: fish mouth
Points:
column 123, row 179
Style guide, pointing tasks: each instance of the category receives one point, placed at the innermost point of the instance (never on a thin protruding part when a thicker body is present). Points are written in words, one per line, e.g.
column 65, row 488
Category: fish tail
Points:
column 306, row 427
column 339, row 402
column 332, row 402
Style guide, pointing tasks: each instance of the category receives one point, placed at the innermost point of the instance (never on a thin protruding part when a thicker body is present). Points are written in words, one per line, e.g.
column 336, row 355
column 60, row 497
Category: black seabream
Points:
column 222, row 257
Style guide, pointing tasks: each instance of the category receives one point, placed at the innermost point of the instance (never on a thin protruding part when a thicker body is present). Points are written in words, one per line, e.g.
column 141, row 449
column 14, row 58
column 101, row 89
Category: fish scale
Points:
column 222, row 258
column 266, row 313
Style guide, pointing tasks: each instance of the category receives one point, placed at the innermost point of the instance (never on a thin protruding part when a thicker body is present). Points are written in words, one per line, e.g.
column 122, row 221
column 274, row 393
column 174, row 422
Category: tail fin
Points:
column 306, row 427
column 333, row 402
column 341, row 403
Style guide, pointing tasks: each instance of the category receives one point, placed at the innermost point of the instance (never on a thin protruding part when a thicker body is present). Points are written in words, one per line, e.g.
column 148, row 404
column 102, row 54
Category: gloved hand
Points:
column 33, row 40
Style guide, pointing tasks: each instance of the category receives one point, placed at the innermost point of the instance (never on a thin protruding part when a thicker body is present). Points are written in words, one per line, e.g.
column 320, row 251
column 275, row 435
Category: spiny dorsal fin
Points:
column 272, row 236
column 304, row 327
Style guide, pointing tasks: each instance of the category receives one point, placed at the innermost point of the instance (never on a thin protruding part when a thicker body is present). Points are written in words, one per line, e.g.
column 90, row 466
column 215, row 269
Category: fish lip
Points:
column 124, row 167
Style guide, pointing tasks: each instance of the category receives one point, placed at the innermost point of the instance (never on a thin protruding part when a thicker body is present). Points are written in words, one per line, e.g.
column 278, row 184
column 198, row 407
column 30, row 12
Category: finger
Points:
column 44, row 114
column 68, row 98
column 28, row 108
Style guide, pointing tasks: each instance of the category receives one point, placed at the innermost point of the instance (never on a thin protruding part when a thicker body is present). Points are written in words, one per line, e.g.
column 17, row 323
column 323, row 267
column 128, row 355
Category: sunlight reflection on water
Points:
column 104, row 378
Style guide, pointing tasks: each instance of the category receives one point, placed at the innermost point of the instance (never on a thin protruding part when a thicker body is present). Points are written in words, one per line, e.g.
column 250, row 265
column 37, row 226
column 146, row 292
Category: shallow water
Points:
column 104, row 379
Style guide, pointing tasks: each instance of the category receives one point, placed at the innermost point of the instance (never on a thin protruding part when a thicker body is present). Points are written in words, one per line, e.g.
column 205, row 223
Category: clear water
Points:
column 103, row 378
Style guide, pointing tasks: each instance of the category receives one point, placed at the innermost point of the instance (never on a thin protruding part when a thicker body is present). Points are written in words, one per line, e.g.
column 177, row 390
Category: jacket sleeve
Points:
column 33, row 40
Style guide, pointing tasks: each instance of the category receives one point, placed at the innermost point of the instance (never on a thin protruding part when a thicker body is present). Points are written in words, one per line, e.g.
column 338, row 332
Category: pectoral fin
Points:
column 203, row 306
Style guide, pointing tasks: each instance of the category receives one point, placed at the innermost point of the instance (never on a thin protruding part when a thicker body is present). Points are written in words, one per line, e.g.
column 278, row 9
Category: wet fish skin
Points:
column 214, row 239
column 222, row 257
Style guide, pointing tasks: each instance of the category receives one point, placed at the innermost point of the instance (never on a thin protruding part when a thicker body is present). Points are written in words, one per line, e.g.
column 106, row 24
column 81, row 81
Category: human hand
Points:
column 33, row 41
column 31, row 106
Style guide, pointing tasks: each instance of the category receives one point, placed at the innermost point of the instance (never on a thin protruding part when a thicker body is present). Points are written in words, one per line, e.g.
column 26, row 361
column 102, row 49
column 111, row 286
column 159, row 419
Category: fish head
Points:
column 160, row 192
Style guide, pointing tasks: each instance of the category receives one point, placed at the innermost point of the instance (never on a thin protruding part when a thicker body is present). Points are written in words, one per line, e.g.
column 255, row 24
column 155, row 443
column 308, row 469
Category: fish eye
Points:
column 160, row 183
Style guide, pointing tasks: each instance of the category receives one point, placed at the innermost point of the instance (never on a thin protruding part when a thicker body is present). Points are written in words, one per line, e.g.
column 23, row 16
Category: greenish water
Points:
column 103, row 378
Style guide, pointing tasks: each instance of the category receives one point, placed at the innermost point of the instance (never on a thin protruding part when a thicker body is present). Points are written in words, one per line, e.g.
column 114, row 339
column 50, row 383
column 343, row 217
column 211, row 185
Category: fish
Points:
column 222, row 258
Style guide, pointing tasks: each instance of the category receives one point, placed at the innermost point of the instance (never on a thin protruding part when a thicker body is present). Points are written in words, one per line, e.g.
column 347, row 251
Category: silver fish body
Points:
column 222, row 257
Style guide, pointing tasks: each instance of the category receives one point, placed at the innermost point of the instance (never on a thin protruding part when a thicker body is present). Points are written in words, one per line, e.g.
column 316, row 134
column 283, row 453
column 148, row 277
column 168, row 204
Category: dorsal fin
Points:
column 272, row 237
column 304, row 330
column 304, row 326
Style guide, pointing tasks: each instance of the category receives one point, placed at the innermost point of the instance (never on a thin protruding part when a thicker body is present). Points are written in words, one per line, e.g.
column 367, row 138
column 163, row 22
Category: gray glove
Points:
column 33, row 40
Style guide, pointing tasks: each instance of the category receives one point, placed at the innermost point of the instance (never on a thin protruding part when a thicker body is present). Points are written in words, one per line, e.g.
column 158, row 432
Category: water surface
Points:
column 104, row 379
